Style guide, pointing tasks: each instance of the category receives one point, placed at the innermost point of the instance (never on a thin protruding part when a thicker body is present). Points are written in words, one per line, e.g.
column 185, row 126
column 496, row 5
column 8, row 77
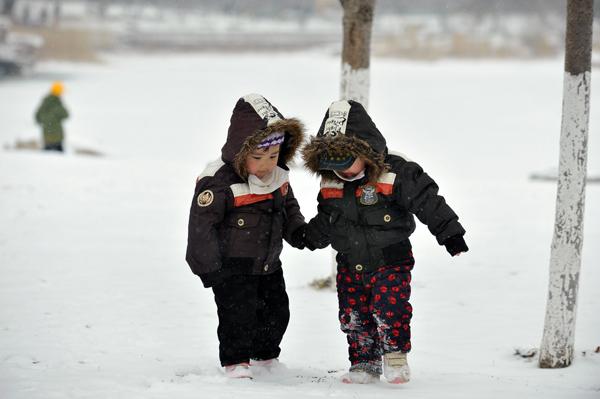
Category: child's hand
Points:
column 456, row 245
column 314, row 239
column 304, row 237
column 297, row 239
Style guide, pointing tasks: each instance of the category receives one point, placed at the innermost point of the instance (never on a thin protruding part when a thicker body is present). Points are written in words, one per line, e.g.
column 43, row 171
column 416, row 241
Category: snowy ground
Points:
column 96, row 300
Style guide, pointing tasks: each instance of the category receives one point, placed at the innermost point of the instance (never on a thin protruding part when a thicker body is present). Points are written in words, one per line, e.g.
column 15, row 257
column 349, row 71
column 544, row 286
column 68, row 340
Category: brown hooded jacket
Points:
column 231, row 230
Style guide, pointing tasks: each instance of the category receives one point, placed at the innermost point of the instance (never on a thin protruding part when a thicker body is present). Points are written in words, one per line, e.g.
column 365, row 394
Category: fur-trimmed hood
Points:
column 347, row 128
column 252, row 120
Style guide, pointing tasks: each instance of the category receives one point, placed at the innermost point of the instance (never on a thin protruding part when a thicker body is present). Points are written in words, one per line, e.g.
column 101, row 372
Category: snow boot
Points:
column 363, row 373
column 240, row 370
column 395, row 368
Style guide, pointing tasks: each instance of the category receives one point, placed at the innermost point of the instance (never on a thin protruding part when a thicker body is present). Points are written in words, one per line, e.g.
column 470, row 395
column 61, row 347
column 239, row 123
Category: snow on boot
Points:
column 240, row 370
column 395, row 368
column 359, row 377
column 363, row 373
column 267, row 365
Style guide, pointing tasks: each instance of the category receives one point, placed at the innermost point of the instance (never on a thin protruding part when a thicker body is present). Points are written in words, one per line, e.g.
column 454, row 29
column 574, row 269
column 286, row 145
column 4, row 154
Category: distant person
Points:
column 243, row 209
column 50, row 115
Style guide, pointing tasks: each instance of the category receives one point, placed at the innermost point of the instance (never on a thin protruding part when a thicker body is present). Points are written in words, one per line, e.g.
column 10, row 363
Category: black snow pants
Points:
column 374, row 312
column 253, row 316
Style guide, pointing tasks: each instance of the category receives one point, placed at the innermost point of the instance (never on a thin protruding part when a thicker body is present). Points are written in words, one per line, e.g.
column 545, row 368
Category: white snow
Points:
column 96, row 300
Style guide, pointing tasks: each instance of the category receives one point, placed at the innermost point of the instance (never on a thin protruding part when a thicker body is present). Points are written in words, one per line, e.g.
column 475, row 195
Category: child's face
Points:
column 262, row 161
column 357, row 167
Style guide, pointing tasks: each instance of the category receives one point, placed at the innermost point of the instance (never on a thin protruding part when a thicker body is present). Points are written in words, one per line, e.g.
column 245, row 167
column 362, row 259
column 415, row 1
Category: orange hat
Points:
column 57, row 88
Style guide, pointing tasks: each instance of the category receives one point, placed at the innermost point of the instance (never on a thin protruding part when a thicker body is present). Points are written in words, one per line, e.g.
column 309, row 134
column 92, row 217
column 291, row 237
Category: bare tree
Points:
column 565, row 258
column 356, row 50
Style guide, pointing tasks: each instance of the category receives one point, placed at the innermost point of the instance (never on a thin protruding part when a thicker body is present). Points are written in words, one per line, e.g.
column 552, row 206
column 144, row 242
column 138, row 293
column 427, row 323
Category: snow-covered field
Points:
column 96, row 300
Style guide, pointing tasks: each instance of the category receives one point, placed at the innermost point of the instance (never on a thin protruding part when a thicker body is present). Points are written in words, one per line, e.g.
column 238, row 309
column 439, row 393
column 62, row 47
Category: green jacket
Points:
column 50, row 115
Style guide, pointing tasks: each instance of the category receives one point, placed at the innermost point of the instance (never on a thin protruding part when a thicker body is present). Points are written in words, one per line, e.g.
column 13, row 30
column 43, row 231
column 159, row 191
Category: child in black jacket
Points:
column 367, row 200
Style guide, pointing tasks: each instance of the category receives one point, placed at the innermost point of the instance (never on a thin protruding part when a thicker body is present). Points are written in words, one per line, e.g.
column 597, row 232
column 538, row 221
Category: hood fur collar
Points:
column 317, row 146
column 294, row 135
column 347, row 128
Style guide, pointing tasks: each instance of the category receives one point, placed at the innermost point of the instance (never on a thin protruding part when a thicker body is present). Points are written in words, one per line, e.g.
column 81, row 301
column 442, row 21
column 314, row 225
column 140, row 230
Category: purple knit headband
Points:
column 272, row 140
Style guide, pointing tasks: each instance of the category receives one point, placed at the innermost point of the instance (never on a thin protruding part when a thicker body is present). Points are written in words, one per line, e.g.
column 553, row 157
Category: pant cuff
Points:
column 371, row 367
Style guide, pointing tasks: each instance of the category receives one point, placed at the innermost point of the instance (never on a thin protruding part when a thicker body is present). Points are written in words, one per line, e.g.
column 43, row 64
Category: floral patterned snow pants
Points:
column 374, row 312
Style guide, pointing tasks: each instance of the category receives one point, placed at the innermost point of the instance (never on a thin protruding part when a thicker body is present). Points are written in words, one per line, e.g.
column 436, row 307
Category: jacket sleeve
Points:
column 39, row 113
column 207, row 212
column 294, row 218
column 418, row 192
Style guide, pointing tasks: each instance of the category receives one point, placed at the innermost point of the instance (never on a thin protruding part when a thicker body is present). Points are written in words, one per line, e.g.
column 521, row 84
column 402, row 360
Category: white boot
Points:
column 240, row 370
column 395, row 368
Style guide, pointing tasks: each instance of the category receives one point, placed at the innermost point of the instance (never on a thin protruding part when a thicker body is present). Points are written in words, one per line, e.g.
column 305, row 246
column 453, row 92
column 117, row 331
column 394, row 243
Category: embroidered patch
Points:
column 368, row 195
column 205, row 198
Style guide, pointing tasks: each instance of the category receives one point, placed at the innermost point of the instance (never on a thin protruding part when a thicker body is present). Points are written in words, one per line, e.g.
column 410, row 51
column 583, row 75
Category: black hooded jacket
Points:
column 369, row 221
column 232, row 231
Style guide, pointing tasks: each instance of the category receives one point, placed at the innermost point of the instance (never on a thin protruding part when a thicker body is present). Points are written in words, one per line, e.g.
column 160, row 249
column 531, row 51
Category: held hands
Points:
column 297, row 239
column 305, row 237
column 456, row 245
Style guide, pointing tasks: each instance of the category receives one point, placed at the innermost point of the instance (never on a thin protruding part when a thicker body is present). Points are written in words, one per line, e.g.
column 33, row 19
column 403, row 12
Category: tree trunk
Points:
column 565, row 258
column 57, row 12
column 358, row 22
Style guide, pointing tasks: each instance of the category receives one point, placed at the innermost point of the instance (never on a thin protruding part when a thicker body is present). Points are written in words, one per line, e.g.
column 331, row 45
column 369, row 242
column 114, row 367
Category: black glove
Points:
column 455, row 245
column 297, row 240
column 313, row 239
column 305, row 237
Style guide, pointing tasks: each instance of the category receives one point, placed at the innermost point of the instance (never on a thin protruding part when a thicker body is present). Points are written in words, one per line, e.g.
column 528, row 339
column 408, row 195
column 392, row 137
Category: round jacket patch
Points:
column 205, row 198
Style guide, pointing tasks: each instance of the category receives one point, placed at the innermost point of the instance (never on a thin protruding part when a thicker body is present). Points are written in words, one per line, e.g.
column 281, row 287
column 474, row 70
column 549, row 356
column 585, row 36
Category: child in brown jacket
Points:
column 243, row 209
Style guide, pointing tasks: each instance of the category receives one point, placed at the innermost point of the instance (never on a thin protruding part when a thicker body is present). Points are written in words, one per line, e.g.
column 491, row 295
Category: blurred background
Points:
column 78, row 30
